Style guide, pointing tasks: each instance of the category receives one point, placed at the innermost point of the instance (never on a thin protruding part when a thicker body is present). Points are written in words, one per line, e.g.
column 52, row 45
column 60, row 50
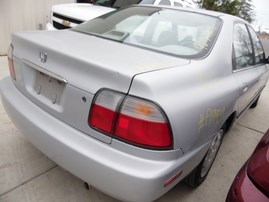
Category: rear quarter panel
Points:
column 197, row 98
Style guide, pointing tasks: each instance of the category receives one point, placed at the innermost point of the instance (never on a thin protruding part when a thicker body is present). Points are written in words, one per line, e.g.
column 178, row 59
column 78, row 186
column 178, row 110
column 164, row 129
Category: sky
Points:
column 261, row 7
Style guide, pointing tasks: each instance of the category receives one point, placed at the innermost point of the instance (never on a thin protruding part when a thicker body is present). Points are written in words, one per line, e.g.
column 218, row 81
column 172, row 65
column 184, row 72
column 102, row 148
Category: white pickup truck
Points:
column 64, row 16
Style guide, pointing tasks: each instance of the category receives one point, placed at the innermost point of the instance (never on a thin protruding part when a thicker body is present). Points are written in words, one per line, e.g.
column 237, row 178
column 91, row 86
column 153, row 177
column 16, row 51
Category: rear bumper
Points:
column 123, row 176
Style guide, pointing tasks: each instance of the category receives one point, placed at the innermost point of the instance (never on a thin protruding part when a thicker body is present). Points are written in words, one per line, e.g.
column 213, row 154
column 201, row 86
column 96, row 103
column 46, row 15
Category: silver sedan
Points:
column 137, row 100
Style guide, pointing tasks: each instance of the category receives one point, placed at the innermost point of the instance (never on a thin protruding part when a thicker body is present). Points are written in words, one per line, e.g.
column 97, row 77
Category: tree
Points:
column 246, row 11
column 240, row 8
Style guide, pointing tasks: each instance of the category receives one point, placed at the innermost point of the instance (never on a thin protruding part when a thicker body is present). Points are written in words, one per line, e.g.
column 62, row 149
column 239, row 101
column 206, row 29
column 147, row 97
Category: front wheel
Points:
column 199, row 174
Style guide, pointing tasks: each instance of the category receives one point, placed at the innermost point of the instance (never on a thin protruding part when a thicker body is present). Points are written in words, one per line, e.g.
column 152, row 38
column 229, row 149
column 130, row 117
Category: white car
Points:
column 64, row 16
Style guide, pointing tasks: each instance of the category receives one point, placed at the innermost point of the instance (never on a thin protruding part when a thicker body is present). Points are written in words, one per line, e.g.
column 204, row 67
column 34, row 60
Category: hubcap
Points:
column 211, row 154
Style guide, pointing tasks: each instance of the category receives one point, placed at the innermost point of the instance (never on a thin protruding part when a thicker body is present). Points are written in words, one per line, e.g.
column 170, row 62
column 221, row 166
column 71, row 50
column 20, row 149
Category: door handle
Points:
column 245, row 89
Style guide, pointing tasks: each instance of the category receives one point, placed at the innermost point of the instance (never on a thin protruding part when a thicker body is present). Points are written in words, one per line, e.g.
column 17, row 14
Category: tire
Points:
column 199, row 174
column 255, row 103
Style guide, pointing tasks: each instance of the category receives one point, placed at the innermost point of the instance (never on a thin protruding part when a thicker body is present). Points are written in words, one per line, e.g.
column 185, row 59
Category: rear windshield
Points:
column 181, row 33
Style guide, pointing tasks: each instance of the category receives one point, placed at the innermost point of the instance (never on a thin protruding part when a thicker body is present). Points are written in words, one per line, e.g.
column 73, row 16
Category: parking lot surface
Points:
column 28, row 175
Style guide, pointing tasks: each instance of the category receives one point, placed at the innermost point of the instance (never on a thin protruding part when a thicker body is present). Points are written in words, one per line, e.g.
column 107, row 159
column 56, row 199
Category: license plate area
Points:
column 48, row 87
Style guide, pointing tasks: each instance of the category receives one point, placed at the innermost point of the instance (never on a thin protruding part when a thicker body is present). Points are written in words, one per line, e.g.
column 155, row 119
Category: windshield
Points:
column 177, row 32
column 116, row 3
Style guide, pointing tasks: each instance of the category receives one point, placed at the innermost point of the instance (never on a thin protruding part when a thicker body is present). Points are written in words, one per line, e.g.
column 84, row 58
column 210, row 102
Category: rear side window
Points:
column 165, row 2
column 178, row 4
column 259, row 55
column 243, row 54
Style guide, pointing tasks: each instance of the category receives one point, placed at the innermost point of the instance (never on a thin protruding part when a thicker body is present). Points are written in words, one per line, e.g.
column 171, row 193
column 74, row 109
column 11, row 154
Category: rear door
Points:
column 244, row 69
column 259, row 58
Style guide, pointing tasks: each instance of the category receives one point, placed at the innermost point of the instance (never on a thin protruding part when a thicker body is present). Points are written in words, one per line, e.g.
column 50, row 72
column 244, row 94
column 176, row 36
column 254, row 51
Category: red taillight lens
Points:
column 104, row 110
column 148, row 133
column 132, row 120
column 10, row 62
column 141, row 122
column 102, row 118
column 258, row 165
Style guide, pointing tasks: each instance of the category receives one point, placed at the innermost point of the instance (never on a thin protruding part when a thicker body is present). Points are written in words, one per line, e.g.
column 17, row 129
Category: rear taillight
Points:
column 142, row 122
column 130, row 119
column 10, row 62
column 258, row 165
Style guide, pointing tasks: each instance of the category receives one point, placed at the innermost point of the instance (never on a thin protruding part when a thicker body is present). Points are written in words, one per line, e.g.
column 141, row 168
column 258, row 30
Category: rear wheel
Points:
column 255, row 103
column 199, row 174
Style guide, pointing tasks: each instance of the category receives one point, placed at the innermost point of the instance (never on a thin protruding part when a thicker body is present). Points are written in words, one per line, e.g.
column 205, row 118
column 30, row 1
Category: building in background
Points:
column 17, row 15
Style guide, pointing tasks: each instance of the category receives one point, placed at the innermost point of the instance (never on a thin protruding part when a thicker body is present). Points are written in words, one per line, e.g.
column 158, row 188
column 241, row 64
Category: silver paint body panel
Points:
column 197, row 96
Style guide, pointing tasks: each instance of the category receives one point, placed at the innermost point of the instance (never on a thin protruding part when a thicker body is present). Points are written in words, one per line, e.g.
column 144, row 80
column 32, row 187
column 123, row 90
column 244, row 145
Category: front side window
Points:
column 243, row 55
column 259, row 56
column 181, row 33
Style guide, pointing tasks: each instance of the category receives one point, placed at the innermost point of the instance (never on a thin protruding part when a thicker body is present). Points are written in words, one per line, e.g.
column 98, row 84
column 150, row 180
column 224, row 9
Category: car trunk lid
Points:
column 60, row 71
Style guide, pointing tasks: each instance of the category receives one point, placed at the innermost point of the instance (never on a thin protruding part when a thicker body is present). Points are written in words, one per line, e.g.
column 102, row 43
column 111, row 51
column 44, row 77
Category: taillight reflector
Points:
column 172, row 179
column 10, row 62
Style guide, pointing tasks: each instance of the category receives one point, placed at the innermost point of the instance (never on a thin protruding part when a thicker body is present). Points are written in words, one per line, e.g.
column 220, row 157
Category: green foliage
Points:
column 240, row 8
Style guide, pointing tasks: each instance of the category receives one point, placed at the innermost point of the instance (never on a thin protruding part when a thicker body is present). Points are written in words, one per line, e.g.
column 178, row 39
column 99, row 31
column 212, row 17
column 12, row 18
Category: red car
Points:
column 252, row 181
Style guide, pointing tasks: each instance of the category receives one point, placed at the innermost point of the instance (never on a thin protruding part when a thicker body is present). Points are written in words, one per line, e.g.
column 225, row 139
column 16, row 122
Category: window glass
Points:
column 123, row 3
column 189, row 32
column 85, row 1
column 116, row 3
column 178, row 4
column 181, row 33
column 107, row 3
column 242, row 47
column 147, row 1
column 162, row 33
column 258, row 50
column 165, row 2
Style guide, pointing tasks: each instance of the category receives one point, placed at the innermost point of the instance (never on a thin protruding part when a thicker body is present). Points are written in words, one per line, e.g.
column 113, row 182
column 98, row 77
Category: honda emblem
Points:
column 43, row 56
